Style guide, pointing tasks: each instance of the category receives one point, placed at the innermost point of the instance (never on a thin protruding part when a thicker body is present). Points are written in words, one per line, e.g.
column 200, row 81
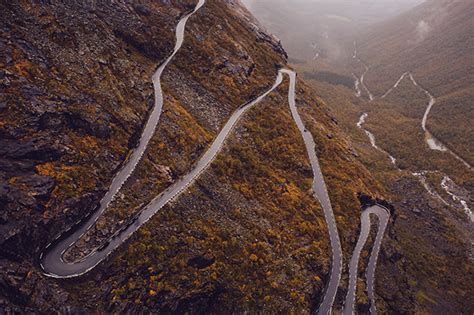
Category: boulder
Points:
column 39, row 187
column 141, row 9
column 201, row 262
column 36, row 149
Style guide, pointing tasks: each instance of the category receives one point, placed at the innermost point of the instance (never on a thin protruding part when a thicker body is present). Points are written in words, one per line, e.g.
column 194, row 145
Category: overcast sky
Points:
column 249, row 2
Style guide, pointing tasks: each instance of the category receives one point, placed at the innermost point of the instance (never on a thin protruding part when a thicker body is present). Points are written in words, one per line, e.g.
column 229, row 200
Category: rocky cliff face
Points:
column 76, row 91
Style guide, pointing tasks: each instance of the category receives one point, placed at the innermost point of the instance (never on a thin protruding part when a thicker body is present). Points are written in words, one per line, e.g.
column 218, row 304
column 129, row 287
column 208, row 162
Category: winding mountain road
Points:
column 432, row 141
column 434, row 144
column 321, row 193
column 381, row 212
column 383, row 215
column 51, row 259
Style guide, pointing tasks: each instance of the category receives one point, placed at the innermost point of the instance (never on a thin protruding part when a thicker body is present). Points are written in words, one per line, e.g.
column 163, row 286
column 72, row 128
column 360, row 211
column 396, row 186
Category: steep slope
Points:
column 76, row 91
column 435, row 42
column 426, row 258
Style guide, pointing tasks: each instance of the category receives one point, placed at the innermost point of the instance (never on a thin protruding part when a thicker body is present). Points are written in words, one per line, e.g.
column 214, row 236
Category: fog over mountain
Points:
column 319, row 27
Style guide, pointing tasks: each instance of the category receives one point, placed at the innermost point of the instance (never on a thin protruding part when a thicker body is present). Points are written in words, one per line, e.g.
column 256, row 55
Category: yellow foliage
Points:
column 22, row 67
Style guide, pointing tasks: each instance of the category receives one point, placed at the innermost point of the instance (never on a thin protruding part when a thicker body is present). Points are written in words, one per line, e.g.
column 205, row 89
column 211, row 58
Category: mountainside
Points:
column 432, row 267
column 250, row 232
column 434, row 42
column 432, row 190
column 248, row 236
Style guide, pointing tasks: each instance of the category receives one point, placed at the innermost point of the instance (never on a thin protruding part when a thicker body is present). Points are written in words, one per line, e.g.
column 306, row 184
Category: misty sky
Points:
column 249, row 3
column 328, row 24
